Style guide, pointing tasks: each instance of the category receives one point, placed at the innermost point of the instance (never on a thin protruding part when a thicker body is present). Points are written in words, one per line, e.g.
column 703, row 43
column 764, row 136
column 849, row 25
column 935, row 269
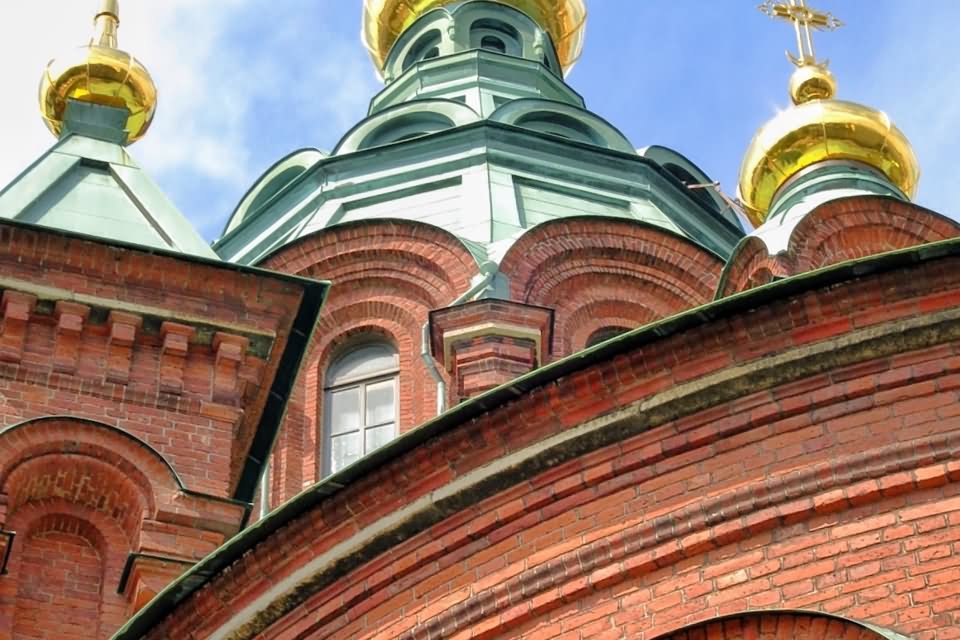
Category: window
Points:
column 360, row 403
column 427, row 47
column 602, row 335
column 493, row 43
column 494, row 35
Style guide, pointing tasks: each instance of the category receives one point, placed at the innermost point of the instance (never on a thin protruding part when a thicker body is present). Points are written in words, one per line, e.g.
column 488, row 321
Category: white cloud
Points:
column 176, row 39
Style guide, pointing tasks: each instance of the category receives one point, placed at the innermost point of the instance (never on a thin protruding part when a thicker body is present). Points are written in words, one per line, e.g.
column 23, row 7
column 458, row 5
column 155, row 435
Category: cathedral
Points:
column 485, row 370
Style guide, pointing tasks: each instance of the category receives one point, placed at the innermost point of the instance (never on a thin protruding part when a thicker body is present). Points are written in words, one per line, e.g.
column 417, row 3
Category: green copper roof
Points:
column 88, row 183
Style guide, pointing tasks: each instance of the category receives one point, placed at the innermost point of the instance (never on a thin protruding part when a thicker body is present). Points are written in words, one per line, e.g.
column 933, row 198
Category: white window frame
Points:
column 361, row 382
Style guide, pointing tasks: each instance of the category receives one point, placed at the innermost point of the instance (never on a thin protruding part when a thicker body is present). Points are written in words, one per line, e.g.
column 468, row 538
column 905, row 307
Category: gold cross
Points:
column 805, row 21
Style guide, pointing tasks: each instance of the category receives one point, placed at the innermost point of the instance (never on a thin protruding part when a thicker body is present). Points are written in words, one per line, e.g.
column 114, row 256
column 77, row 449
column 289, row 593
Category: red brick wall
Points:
column 130, row 389
column 604, row 272
column 776, row 626
column 387, row 276
column 843, row 229
column 60, row 578
column 802, row 454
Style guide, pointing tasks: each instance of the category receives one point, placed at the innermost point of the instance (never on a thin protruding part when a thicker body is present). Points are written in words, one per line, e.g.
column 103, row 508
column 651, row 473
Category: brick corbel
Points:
column 70, row 319
column 123, row 333
column 229, row 352
column 17, row 308
column 146, row 575
column 173, row 355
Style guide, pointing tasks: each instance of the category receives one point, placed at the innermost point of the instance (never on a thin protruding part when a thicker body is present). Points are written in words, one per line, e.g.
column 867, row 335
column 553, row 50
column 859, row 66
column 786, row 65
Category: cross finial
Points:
column 106, row 22
column 805, row 21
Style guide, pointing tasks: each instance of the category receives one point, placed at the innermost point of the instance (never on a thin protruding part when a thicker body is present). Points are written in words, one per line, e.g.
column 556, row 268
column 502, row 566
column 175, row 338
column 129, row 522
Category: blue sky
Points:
column 243, row 82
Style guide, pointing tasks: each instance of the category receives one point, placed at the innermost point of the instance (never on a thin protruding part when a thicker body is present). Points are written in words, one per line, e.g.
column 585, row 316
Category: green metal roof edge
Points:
column 480, row 125
column 244, row 541
column 33, row 165
column 301, row 332
column 269, row 202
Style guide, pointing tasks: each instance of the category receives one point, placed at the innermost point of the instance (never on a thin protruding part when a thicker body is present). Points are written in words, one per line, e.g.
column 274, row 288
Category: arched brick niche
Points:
column 65, row 566
column 601, row 272
column 839, row 230
column 794, row 449
column 387, row 275
column 780, row 625
column 85, row 496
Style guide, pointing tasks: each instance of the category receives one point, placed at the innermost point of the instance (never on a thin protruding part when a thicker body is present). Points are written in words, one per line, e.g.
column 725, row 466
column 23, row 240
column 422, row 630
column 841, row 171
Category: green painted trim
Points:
column 235, row 548
column 705, row 224
column 133, row 557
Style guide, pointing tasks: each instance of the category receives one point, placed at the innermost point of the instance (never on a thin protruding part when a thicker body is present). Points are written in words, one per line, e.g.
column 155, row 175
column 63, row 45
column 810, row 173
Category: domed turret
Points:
column 819, row 128
column 101, row 74
column 384, row 21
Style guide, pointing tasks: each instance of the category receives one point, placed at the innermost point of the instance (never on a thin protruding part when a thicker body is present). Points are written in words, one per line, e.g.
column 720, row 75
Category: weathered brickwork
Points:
column 845, row 229
column 130, row 393
column 599, row 272
column 591, row 273
column 780, row 625
column 797, row 454
column 388, row 276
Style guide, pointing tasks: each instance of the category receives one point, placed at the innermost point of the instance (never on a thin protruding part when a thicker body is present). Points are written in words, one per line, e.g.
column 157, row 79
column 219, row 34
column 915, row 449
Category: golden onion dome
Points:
column 384, row 21
column 102, row 74
column 818, row 128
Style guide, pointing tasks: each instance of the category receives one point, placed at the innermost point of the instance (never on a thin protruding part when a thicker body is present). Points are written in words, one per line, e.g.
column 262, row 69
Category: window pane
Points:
column 344, row 450
column 364, row 361
column 380, row 402
column 379, row 436
column 345, row 410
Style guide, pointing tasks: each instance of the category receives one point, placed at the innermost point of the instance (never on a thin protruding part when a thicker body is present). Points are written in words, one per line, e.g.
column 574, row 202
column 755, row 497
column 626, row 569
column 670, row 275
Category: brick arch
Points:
column 80, row 441
column 386, row 275
column 778, row 625
column 347, row 251
column 751, row 265
column 862, row 226
column 589, row 318
column 82, row 480
column 569, row 263
column 298, row 456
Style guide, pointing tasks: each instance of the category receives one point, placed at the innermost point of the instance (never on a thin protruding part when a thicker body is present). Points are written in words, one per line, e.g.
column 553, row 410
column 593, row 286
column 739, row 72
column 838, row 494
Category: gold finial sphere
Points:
column 812, row 82
column 102, row 74
column 384, row 21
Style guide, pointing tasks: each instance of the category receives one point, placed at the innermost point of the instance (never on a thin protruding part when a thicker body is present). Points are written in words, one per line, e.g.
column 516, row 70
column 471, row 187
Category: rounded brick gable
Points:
column 839, row 230
column 626, row 271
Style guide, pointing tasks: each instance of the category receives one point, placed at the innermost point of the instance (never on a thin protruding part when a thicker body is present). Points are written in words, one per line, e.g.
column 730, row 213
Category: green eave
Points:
column 243, row 542
column 385, row 172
